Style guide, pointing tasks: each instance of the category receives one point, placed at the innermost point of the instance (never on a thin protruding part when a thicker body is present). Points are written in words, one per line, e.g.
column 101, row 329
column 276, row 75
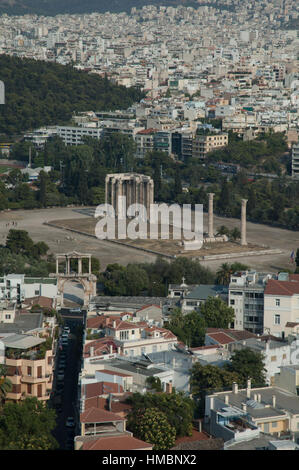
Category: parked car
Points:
column 70, row 422
column 66, row 329
column 75, row 310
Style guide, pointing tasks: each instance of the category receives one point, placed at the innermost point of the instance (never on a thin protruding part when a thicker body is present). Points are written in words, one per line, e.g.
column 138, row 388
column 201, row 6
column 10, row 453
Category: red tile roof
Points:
column 196, row 436
column 147, row 306
column 95, row 415
column 148, row 131
column 101, row 388
column 275, row 287
column 124, row 442
column 95, row 402
column 122, row 325
column 45, row 302
column 221, row 338
column 101, row 346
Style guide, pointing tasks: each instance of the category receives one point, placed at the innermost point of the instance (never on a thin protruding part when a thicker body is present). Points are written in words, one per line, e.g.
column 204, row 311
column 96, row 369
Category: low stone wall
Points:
column 237, row 255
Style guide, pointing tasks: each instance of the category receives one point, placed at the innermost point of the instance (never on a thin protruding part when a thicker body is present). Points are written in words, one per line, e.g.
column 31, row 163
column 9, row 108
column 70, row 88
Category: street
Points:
column 67, row 388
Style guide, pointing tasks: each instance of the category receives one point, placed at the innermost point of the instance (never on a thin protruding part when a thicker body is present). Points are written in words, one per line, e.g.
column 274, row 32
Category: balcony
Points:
column 34, row 380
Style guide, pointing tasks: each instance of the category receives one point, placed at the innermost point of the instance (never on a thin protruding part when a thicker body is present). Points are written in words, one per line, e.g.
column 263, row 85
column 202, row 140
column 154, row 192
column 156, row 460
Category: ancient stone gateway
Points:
column 87, row 279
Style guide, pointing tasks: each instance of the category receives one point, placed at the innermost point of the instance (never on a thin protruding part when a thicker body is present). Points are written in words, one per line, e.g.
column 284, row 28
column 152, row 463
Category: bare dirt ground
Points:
column 61, row 241
column 167, row 247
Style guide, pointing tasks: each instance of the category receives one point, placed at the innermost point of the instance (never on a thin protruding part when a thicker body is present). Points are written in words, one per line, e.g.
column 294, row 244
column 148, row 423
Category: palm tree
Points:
column 5, row 384
column 235, row 234
column 223, row 274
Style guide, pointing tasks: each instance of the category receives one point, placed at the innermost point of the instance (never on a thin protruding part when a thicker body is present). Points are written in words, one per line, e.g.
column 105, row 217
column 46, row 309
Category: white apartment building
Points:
column 295, row 161
column 246, row 297
column 17, row 288
column 134, row 340
column 275, row 353
column 72, row 135
column 281, row 305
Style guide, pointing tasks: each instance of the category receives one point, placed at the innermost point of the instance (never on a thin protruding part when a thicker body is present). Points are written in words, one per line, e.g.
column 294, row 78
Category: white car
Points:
column 70, row 422
column 75, row 310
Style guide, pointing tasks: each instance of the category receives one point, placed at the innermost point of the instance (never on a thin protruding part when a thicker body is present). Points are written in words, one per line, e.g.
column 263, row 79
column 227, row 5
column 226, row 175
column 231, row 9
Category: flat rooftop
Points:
column 22, row 341
column 23, row 322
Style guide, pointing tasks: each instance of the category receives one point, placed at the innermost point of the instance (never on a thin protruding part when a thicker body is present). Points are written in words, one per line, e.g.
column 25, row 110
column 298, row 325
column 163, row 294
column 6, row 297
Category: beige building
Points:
column 29, row 365
column 239, row 415
column 281, row 305
column 204, row 143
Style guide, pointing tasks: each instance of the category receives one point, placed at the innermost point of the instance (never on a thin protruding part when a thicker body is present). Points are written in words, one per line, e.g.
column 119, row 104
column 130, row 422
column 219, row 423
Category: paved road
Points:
column 69, row 386
column 61, row 241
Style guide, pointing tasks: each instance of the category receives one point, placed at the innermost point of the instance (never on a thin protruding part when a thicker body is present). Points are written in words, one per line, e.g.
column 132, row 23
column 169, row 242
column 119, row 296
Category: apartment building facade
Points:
column 135, row 340
column 29, row 367
column 246, row 297
column 17, row 288
column 204, row 143
column 295, row 161
column 281, row 305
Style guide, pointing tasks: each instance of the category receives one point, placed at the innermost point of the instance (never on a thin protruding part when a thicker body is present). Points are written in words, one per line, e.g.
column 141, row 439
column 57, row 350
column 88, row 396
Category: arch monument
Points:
column 87, row 279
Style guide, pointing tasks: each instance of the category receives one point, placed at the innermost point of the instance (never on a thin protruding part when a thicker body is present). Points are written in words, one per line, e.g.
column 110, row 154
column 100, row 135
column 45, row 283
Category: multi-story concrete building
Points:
column 275, row 353
column 240, row 415
column 29, row 362
column 73, row 135
column 17, row 287
column 246, row 297
column 281, row 304
column 134, row 340
column 145, row 142
column 207, row 141
column 295, row 161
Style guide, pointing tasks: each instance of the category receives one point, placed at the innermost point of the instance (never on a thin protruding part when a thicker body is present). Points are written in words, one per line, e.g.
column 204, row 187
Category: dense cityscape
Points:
column 143, row 340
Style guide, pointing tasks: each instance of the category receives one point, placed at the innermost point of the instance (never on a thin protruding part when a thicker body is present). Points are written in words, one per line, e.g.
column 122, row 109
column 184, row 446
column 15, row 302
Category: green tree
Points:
column 152, row 426
column 5, row 384
column 216, row 313
column 235, row 234
column 189, row 328
column 19, row 242
column 223, row 274
column 27, row 425
column 248, row 364
column 178, row 408
column 154, row 383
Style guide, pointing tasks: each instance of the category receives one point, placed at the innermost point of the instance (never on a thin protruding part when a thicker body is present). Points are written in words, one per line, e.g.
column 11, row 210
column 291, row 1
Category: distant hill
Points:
column 55, row 7
column 42, row 93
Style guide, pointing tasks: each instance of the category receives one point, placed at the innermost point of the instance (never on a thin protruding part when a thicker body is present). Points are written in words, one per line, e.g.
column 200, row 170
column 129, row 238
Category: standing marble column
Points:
column 107, row 184
column 243, row 222
column 79, row 266
column 211, row 216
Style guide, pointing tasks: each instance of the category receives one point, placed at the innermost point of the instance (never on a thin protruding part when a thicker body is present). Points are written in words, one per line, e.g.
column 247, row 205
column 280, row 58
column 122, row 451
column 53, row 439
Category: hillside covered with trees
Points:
column 56, row 7
column 42, row 93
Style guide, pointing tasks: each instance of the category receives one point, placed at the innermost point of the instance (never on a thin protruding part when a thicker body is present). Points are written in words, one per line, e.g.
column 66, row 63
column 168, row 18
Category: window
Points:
column 277, row 302
column 273, row 358
column 39, row 372
column 29, row 371
column 29, row 389
column 276, row 319
column 232, row 302
column 274, row 424
column 7, row 317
